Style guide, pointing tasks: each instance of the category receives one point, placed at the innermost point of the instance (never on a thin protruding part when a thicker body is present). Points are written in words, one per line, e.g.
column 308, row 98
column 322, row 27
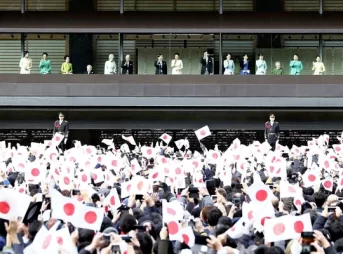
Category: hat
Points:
column 110, row 230
column 32, row 212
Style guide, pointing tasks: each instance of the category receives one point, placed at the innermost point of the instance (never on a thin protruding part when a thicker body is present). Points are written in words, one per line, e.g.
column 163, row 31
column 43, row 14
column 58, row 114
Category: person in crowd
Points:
column 161, row 66
column 89, row 70
column 61, row 126
column 296, row 65
column 261, row 65
column 271, row 131
column 127, row 65
column 206, row 64
column 177, row 65
column 110, row 65
column 245, row 65
column 25, row 64
column 45, row 64
column 229, row 65
column 277, row 70
column 67, row 67
column 318, row 66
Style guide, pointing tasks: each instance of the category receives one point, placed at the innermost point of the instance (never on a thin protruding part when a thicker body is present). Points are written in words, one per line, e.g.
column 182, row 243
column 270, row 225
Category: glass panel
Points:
column 182, row 50
column 333, row 53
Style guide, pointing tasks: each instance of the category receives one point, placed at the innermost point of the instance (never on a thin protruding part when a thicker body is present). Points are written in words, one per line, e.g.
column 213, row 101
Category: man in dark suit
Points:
column 127, row 65
column 161, row 66
column 271, row 131
column 206, row 64
column 61, row 126
column 89, row 70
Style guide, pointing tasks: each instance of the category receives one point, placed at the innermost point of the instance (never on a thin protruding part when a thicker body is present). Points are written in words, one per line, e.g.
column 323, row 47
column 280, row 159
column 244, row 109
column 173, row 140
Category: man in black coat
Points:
column 61, row 126
column 271, row 131
column 161, row 66
column 206, row 64
column 127, row 65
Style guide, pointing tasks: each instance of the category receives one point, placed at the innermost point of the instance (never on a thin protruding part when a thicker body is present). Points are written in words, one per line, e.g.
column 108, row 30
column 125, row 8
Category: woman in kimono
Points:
column 318, row 67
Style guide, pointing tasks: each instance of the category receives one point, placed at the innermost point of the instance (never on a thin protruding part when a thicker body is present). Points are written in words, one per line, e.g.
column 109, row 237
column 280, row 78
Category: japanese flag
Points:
column 311, row 178
column 35, row 173
column 79, row 215
column 44, row 242
column 172, row 213
column 298, row 200
column 57, row 139
column 13, row 203
column 148, row 152
column 166, row 138
column 113, row 200
column 179, row 143
column 259, row 193
column 286, row 227
column 188, row 236
column 288, row 190
column 240, row 228
column 327, row 184
column 107, row 141
column 203, row 132
column 63, row 240
column 129, row 139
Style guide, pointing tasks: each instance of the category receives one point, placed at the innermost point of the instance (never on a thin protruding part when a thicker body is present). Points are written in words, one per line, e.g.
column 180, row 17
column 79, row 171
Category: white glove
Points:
column 65, row 140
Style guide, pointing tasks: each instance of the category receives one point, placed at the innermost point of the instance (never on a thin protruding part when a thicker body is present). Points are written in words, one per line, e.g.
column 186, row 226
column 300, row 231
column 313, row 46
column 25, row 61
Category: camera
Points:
column 308, row 238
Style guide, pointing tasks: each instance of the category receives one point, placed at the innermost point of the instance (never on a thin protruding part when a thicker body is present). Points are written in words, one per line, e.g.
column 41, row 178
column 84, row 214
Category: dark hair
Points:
column 33, row 229
column 308, row 191
column 339, row 245
column 205, row 51
column 336, row 230
column 26, row 52
column 159, row 55
column 127, row 222
column 145, row 242
column 319, row 198
column 61, row 114
column 275, row 250
column 65, row 57
column 176, row 54
column 271, row 114
column 296, row 55
column 44, row 53
column 228, row 54
column 85, row 235
column 260, row 54
column 245, row 55
column 213, row 216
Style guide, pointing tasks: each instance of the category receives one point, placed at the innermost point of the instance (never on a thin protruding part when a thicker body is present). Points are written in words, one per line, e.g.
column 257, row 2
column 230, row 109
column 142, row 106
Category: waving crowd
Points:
column 155, row 199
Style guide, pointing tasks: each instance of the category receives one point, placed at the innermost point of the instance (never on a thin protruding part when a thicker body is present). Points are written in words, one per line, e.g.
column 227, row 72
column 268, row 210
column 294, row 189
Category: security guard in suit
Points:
column 271, row 131
column 62, row 126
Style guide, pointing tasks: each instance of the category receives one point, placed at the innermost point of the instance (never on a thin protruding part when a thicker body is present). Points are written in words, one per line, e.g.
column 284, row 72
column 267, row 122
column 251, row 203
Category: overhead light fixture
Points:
column 51, row 36
column 238, row 37
column 110, row 36
column 226, row 37
column 150, row 36
column 302, row 37
column 64, row 36
column 12, row 36
column 329, row 37
column 137, row 37
column 163, row 37
column 188, row 37
column 175, row 36
column 289, row 37
column 98, row 37
column 315, row 37
column 213, row 36
column 38, row 36
column 250, row 37
column 25, row 36
column 200, row 36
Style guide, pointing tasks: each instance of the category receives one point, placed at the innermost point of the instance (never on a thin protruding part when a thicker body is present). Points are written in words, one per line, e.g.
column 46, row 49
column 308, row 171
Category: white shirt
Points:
column 110, row 67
